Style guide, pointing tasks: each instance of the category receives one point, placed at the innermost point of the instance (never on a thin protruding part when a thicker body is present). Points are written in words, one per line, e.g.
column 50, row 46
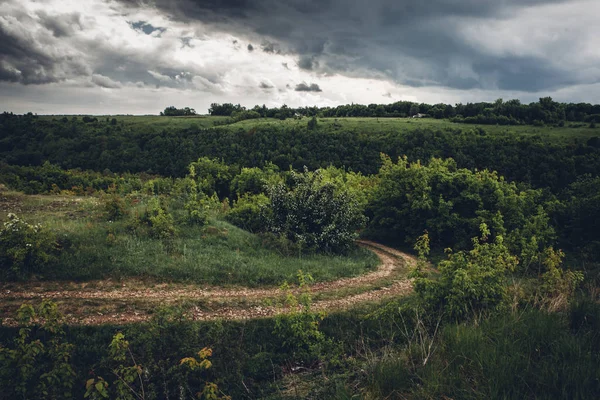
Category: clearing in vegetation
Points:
column 128, row 301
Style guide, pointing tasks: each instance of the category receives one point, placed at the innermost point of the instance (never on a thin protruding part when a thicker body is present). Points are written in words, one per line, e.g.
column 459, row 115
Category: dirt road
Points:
column 130, row 301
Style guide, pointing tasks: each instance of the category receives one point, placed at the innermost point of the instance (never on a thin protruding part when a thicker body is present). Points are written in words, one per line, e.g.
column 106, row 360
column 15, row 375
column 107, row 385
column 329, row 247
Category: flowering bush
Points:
column 25, row 248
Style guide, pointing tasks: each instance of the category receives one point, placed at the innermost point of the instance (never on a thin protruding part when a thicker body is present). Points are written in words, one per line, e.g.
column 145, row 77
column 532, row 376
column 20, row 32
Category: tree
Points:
column 414, row 110
column 177, row 112
column 451, row 203
column 313, row 214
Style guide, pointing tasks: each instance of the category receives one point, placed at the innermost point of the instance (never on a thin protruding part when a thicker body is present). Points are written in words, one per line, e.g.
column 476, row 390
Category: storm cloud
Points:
column 380, row 51
column 304, row 87
column 411, row 42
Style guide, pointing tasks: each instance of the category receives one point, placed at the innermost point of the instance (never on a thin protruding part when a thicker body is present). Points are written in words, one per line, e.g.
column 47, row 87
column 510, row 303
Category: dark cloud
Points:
column 266, row 86
column 304, row 87
column 250, row 47
column 414, row 43
column 24, row 59
column 270, row 47
column 105, row 82
column 308, row 63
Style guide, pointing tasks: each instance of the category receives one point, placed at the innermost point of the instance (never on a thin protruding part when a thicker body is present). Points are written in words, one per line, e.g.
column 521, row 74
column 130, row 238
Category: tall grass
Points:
column 219, row 254
column 525, row 355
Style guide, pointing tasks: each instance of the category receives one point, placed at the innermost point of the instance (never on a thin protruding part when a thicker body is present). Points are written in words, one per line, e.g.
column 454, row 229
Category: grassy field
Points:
column 358, row 125
column 219, row 253
column 392, row 125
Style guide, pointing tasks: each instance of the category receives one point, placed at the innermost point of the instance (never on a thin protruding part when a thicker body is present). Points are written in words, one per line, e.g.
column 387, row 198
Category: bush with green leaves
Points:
column 38, row 365
column 255, row 180
column 311, row 213
column 212, row 176
column 469, row 282
column 248, row 212
column 451, row 203
column 25, row 248
column 128, row 383
column 298, row 325
column 159, row 221
column 113, row 205
column 558, row 284
column 130, row 379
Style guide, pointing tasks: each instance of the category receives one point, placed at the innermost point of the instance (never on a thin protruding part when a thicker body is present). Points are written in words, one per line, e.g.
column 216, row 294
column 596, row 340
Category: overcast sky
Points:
column 138, row 57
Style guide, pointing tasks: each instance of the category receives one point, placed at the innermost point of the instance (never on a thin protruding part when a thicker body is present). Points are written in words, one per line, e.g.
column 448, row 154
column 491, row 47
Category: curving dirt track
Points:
column 130, row 301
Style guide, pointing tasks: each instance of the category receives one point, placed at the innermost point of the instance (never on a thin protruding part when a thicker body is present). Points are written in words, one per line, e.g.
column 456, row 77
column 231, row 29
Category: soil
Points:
column 132, row 301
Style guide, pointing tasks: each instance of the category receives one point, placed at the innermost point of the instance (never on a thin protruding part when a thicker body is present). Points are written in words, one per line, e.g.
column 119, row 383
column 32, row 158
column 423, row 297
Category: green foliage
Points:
column 176, row 112
column 452, row 203
column 312, row 214
column 196, row 203
column 113, row 205
column 357, row 185
column 579, row 216
column 49, row 178
column 128, row 384
column 298, row 326
column 558, row 284
column 38, row 366
column 255, row 180
column 130, row 377
column 248, row 212
column 25, row 248
column 212, row 176
column 197, row 365
column 159, row 221
column 470, row 282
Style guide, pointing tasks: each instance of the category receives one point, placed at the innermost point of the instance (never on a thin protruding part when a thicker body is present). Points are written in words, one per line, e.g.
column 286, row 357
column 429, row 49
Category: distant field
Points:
column 391, row 125
column 155, row 122
column 358, row 125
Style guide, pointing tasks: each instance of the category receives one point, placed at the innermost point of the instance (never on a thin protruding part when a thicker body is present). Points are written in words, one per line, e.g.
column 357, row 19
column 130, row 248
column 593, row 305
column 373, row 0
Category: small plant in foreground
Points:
column 128, row 384
column 199, row 364
column 298, row 326
column 130, row 377
column 558, row 285
column 469, row 281
column 39, row 364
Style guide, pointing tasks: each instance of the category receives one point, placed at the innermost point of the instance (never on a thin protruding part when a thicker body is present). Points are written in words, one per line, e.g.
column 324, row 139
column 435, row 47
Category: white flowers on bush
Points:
column 15, row 224
column 25, row 247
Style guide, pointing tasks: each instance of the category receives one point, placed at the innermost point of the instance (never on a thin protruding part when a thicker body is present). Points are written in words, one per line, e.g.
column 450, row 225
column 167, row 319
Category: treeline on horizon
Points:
column 511, row 112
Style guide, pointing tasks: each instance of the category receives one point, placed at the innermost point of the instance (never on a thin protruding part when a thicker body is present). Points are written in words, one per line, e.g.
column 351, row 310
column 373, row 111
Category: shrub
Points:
column 113, row 205
column 155, row 222
column 451, row 203
column 313, row 214
column 248, row 212
column 298, row 326
column 25, row 248
column 558, row 284
column 160, row 223
column 470, row 281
